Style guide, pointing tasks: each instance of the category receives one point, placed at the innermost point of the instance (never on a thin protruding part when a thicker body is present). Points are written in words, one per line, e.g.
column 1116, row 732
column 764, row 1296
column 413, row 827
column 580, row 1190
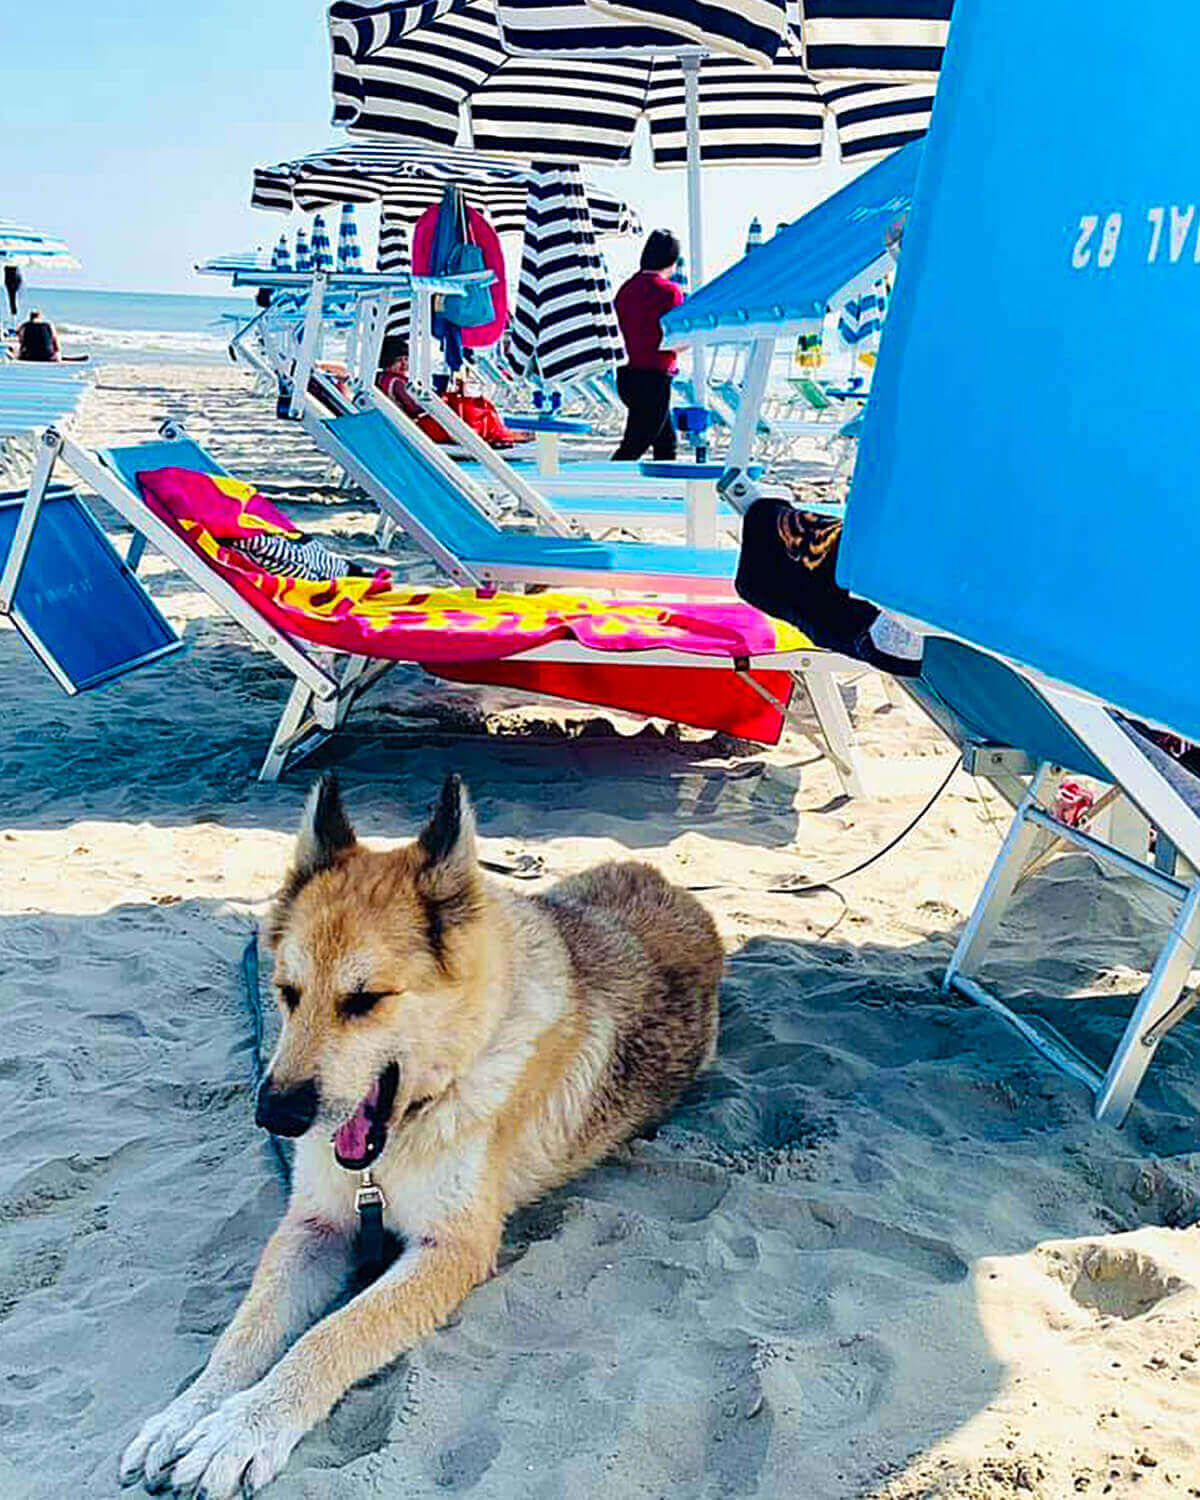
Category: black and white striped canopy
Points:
column 896, row 40
column 418, row 70
column 407, row 179
column 564, row 325
column 749, row 29
column 879, row 39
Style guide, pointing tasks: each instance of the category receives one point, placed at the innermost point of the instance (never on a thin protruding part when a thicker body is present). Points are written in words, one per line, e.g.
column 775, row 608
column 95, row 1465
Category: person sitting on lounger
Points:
column 37, row 340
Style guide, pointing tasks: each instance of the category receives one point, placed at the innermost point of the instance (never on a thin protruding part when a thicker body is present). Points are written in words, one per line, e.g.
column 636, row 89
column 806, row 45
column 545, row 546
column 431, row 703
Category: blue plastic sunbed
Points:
column 418, row 490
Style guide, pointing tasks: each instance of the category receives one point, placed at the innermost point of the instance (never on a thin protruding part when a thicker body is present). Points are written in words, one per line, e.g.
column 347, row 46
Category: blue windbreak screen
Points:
column 1027, row 477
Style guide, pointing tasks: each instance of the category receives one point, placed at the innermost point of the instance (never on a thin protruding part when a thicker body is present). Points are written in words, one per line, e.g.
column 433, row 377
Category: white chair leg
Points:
column 836, row 730
column 295, row 710
column 1145, row 1030
column 1019, row 846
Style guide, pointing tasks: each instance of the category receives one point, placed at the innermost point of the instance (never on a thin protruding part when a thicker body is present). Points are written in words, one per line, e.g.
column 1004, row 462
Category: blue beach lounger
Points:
column 416, row 486
column 32, row 398
column 328, row 683
column 63, row 585
column 1024, row 734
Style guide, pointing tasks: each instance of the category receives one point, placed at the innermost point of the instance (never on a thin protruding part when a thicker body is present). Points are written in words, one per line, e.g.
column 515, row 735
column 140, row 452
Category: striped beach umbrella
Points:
column 754, row 235
column 349, row 250
column 237, row 260
column 407, row 179
column 322, row 250
column 559, row 82
column 860, row 319
column 880, row 39
column 564, row 325
column 749, row 29
column 21, row 245
column 302, row 259
column 679, row 275
column 281, row 256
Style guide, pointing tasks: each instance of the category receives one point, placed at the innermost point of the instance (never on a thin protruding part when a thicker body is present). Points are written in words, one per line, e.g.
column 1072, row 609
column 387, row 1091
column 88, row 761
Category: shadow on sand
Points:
column 764, row 1277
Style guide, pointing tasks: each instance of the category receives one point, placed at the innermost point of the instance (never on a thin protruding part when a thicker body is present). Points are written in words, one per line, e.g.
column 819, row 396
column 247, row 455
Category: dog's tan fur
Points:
column 533, row 1035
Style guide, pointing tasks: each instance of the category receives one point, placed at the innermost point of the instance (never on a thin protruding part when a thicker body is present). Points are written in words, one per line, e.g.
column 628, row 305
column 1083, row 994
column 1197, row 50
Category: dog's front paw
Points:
column 150, row 1455
column 238, row 1448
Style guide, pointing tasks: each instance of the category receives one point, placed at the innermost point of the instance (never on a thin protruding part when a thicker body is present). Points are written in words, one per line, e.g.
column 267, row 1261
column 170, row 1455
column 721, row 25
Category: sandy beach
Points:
column 881, row 1250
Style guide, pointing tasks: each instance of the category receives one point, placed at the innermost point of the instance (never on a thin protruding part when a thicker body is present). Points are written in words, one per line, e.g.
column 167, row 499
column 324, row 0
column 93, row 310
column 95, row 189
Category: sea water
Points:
column 156, row 326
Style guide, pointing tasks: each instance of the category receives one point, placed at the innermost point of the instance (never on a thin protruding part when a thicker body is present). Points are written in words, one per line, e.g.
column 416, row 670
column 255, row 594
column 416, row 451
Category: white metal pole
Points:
column 690, row 63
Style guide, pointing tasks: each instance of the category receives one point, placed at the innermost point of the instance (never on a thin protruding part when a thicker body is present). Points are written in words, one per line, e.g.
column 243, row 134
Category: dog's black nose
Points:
column 286, row 1111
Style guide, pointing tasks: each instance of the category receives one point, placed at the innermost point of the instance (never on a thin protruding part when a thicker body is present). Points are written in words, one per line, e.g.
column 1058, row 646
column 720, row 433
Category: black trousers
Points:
column 647, row 394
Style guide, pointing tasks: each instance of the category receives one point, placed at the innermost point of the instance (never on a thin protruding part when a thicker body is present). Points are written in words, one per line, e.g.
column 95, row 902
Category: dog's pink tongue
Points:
column 350, row 1141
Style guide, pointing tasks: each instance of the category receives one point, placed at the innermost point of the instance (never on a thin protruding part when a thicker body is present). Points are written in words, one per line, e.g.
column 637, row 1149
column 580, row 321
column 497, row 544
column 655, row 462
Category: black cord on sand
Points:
column 824, row 885
column 831, row 882
column 252, row 991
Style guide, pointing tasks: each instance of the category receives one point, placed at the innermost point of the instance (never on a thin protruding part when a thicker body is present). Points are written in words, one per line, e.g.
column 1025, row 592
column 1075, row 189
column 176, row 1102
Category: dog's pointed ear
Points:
column 325, row 830
column 447, row 841
column 325, row 834
column 449, row 879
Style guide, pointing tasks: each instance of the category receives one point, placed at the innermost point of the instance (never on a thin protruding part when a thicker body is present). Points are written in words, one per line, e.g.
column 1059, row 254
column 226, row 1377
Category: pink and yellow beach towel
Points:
column 479, row 636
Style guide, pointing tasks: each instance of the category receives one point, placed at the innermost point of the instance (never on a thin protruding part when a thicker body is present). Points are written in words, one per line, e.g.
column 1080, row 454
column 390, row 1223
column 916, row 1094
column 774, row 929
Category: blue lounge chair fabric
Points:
column 141, row 458
column 85, row 615
column 978, row 699
column 1093, row 245
column 407, row 487
column 34, row 396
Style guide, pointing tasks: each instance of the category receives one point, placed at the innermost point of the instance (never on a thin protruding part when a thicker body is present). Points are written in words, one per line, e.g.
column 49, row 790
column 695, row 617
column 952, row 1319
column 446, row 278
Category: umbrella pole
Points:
column 690, row 63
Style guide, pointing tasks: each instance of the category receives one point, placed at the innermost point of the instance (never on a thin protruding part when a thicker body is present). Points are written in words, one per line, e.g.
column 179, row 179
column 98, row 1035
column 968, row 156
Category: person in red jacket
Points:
column 644, row 383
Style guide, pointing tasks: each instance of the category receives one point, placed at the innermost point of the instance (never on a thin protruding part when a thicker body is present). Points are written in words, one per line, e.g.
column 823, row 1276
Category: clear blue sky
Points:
column 133, row 129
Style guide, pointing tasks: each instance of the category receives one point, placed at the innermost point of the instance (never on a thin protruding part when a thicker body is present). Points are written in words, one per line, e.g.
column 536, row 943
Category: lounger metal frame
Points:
column 322, row 694
column 1166, row 998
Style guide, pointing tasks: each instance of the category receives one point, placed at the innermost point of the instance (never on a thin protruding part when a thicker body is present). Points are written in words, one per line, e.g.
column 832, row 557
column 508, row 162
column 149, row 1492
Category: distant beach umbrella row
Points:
column 410, row 69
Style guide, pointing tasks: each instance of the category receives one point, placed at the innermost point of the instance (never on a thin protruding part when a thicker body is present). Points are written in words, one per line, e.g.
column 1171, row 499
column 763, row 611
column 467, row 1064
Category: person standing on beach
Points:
column 13, row 282
column 644, row 383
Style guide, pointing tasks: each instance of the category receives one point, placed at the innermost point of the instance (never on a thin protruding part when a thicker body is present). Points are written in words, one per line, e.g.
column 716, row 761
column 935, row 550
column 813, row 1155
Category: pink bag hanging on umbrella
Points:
column 483, row 235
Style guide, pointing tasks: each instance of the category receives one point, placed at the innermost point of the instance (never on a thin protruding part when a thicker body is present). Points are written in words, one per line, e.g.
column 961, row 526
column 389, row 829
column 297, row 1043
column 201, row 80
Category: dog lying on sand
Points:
column 465, row 1049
